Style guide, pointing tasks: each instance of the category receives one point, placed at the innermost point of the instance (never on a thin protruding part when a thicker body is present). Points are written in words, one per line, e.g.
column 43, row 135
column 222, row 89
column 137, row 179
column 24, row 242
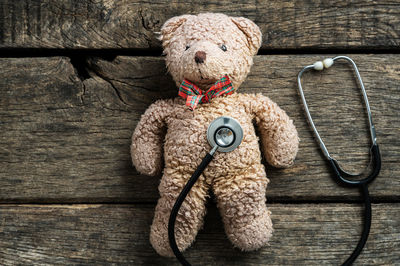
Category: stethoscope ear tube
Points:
column 377, row 161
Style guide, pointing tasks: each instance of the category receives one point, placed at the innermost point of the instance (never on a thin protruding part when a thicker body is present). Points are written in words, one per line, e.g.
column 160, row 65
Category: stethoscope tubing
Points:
column 178, row 203
column 339, row 173
column 366, row 227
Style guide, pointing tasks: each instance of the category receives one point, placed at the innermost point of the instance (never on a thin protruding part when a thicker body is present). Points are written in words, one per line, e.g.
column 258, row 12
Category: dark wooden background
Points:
column 75, row 77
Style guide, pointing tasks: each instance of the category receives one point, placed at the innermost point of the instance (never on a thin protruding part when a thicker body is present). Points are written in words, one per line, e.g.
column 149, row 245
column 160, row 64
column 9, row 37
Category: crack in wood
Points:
column 109, row 81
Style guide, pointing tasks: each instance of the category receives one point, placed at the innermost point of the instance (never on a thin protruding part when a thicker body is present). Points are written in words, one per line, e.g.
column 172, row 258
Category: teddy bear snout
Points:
column 200, row 56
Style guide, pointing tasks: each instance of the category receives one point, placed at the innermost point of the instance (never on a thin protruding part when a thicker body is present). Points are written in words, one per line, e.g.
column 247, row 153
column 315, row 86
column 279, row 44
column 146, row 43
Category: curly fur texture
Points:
column 171, row 135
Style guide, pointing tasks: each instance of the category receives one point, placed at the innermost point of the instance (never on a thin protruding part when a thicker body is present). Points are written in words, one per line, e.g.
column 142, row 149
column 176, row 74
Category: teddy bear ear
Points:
column 170, row 26
column 252, row 32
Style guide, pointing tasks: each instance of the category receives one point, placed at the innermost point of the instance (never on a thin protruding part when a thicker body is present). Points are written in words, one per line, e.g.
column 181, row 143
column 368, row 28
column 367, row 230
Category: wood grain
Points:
column 76, row 24
column 118, row 234
column 64, row 140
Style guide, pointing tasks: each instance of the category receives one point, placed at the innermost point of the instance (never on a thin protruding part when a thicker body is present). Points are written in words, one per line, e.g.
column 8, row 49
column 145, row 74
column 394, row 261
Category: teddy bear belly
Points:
column 186, row 147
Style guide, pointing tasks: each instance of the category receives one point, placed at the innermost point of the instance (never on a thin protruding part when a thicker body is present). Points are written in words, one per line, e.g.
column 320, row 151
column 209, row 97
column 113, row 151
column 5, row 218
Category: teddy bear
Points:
column 202, row 52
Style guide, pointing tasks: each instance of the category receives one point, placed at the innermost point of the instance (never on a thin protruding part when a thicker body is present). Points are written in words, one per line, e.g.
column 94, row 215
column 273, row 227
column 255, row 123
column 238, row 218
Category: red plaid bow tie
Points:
column 194, row 95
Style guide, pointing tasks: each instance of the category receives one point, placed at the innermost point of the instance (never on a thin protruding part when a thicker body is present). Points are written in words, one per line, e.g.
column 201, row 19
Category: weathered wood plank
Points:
column 131, row 24
column 62, row 140
column 118, row 234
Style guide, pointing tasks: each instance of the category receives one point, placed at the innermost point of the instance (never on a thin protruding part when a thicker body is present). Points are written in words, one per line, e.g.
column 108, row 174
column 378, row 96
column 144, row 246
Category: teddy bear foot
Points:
column 188, row 221
column 184, row 237
column 251, row 236
column 159, row 243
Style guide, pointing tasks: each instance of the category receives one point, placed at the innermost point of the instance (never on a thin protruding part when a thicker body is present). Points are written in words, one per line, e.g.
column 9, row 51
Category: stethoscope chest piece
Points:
column 226, row 133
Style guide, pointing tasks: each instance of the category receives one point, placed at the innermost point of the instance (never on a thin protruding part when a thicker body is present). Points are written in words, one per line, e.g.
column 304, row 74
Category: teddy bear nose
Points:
column 199, row 57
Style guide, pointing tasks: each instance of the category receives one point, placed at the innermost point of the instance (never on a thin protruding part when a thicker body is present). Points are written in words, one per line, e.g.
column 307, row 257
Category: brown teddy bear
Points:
column 212, row 52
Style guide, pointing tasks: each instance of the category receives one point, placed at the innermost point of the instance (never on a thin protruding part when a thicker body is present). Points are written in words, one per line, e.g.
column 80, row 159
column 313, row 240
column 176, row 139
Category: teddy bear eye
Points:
column 223, row 48
column 187, row 47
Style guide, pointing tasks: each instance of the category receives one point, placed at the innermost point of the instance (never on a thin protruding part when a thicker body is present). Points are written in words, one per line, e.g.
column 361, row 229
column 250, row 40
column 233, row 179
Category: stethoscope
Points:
column 225, row 134
column 339, row 174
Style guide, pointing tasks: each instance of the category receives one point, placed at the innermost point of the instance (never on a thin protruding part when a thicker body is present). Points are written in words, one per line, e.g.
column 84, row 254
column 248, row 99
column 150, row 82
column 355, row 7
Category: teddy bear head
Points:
column 202, row 48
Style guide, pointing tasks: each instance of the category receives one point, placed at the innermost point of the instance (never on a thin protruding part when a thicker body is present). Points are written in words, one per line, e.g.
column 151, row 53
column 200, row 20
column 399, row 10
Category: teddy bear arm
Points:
column 279, row 138
column 147, row 139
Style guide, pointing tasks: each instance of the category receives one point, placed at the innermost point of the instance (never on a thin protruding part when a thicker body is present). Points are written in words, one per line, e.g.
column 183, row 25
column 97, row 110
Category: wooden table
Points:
column 75, row 77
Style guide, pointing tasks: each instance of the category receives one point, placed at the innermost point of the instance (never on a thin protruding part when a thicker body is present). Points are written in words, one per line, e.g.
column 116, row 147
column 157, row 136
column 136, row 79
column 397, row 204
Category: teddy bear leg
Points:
column 190, row 216
column 242, row 204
